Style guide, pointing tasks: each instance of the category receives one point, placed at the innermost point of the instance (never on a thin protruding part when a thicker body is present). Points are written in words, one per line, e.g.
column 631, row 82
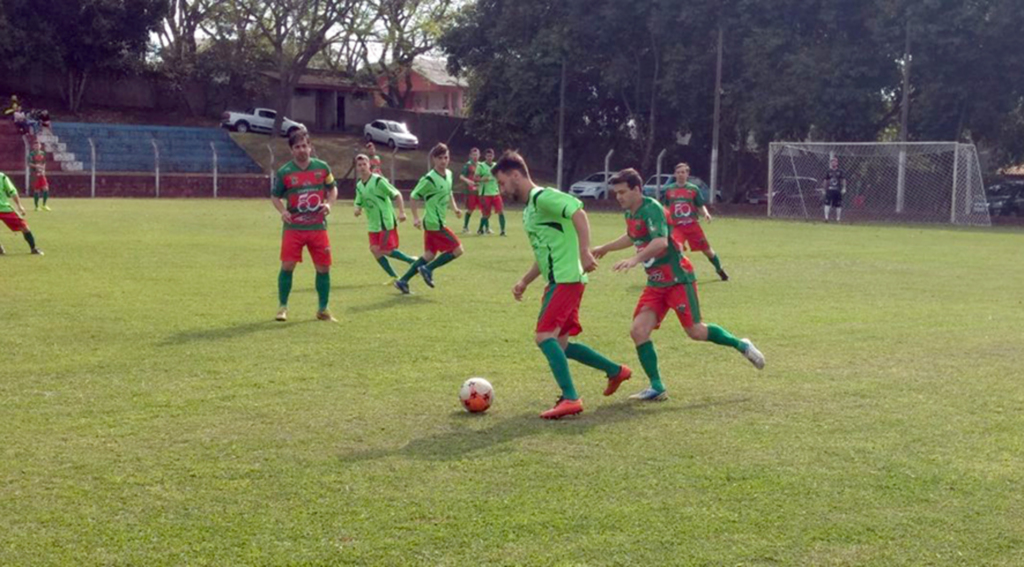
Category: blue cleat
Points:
column 402, row 286
column 425, row 273
column 650, row 395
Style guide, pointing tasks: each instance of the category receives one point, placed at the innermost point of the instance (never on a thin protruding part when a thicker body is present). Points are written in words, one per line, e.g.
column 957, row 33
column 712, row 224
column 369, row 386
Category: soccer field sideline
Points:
column 159, row 416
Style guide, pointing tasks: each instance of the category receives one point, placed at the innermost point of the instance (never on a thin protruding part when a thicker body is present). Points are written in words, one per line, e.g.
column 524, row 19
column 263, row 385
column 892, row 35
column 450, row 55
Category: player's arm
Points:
column 417, row 193
column 652, row 250
column 525, row 281
column 582, row 225
column 704, row 210
column 332, row 192
column 620, row 243
column 17, row 200
column 455, row 207
column 275, row 199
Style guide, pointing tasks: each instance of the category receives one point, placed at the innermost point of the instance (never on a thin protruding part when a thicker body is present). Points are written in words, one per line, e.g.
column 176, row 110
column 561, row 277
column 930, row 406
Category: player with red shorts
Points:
column 671, row 285
column 377, row 198
column 304, row 194
column 490, row 195
column 12, row 213
column 471, row 178
column 40, row 185
column 682, row 201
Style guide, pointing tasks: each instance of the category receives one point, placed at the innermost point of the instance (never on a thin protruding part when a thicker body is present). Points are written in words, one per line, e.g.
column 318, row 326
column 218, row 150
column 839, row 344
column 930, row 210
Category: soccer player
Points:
column 559, row 233
column 304, row 195
column 490, row 196
column 683, row 199
column 835, row 188
column 376, row 164
column 440, row 245
column 377, row 197
column 469, row 177
column 40, row 186
column 14, row 220
column 670, row 282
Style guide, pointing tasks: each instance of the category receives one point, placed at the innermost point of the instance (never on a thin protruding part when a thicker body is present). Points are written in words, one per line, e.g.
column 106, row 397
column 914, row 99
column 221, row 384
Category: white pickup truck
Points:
column 258, row 120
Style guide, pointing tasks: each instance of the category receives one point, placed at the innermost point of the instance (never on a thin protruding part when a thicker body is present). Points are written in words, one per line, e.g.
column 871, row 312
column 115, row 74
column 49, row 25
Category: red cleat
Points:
column 563, row 408
column 615, row 381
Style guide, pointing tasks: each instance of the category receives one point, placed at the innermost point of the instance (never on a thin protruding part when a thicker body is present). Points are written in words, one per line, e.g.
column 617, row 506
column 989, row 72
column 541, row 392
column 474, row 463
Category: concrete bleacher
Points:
column 129, row 148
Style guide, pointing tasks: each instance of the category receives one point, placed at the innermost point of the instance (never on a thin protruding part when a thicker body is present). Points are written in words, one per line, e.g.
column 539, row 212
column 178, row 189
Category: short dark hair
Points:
column 471, row 150
column 297, row 136
column 630, row 177
column 439, row 150
column 489, row 151
column 511, row 161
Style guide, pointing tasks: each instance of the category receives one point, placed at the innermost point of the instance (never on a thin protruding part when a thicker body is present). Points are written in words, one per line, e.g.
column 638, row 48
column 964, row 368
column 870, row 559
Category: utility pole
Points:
column 717, row 119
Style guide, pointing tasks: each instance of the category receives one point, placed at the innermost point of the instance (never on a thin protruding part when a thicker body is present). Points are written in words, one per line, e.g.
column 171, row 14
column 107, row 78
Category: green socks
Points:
column 46, row 197
column 412, row 269
column 30, row 239
column 585, row 355
column 399, row 255
column 559, row 367
column 649, row 360
column 35, row 197
column 440, row 261
column 284, row 287
column 720, row 336
column 383, row 261
column 323, row 289
column 501, row 221
column 716, row 263
column 465, row 220
column 485, row 223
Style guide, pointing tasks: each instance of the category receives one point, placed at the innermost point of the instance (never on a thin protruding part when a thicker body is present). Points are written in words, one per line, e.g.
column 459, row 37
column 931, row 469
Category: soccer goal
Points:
column 935, row 182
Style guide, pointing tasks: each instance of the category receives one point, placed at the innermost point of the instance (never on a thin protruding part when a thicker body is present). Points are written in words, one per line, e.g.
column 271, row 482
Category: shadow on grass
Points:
column 460, row 440
column 390, row 302
column 230, row 332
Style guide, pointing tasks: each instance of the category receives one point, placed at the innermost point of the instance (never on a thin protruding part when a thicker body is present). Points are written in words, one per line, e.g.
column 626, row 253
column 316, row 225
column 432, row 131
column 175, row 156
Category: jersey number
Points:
column 682, row 210
column 308, row 202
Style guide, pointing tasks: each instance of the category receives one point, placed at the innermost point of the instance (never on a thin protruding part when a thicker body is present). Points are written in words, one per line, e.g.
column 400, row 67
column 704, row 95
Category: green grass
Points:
column 153, row 414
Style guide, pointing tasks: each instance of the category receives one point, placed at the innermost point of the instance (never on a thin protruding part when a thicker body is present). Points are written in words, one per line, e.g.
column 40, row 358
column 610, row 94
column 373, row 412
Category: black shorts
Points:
column 834, row 199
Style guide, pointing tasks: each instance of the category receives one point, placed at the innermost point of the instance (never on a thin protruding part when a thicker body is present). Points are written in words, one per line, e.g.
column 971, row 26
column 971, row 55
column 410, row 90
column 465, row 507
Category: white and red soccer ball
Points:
column 477, row 395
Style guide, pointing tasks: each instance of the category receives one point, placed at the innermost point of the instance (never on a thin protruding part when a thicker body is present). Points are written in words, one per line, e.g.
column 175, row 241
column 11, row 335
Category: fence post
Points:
column 661, row 157
column 607, row 164
column 956, row 165
column 214, row 150
column 92, row 180
column 771, row 180
column 273, row 171
column 28, row 190
column 156, row 165
column 394, row 158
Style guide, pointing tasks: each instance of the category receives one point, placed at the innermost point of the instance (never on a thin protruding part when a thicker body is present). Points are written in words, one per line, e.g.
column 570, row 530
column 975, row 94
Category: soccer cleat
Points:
column 465, row 230
column 503, row 233
column 479, row 232
column 753, row 355
column 427, row 275
column 325, row 315
column 723, row 275
column 47, row 208
column 391, row 281
column 615, row 381
column 37, row 252
column 282, row 314
column 489, row 231
column 402, row 286
column 37, row 207
column 650, row 395
column 563, row 408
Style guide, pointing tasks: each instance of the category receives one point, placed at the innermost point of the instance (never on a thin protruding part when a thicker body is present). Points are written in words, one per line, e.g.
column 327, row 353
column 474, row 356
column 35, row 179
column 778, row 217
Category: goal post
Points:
column 931, row 182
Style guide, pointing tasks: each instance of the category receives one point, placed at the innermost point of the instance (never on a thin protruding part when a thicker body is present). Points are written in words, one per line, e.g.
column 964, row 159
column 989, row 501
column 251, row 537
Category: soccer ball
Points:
column 476, row 395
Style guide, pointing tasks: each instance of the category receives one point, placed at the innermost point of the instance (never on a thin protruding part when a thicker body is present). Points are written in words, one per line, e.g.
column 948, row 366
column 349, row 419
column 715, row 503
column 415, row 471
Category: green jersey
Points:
column 668, row 268
column 435, row 190
column 7, row 193
column 547, row 220
column 683, row 202
column 375, row 196
column 305, row 193
column 488, row 183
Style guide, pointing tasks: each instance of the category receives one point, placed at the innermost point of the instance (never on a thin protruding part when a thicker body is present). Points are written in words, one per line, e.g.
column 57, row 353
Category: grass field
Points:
column 153, row 414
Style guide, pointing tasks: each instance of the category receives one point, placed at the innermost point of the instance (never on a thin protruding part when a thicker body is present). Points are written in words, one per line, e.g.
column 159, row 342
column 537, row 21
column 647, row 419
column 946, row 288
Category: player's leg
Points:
column 36, row 194
column 485, row 214
column 689, row 317
column 647, row 317
column 284, row 289
column 378, row 241
column 46, row 194
column 319, row 244
column 470, row 206
column 499, row 207
column 449, row 248
column 567, row 302
column 30, row 238
column 402, row 284
column 839, row 211
column 552, row 335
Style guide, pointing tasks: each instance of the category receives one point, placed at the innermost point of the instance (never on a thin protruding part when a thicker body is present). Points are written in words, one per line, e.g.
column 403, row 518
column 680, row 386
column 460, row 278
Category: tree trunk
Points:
column 284, row 100
column 75, row 89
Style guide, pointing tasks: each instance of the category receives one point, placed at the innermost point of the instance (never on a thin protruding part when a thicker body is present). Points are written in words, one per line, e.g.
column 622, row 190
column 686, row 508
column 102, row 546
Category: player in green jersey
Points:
column 13, row 215
column 440, row 245
column 559, row 233
column 671, row 284
column 682, row 200
column 40, row 185
column 378, row 198
column 490, row 197
column 304, row 194
column 469, row 177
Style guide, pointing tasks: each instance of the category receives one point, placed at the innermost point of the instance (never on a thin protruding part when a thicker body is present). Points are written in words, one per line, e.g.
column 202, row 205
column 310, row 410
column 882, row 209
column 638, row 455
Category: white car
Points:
column 258, row 120
column 595, row 186
column 394, row 134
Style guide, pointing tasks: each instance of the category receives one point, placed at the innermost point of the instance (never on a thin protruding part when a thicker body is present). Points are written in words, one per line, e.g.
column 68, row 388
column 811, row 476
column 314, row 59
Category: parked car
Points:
column 756, row 196
column 1006, row 199
column 594, row 186
column 258, row 120
column 394, row 134
column 793, row 190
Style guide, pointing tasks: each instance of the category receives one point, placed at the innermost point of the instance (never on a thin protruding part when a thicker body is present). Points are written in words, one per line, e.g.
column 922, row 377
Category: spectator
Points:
column 13, row 107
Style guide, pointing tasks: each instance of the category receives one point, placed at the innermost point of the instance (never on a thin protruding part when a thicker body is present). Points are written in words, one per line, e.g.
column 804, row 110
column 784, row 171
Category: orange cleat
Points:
column 615, row 381
column 563, row 408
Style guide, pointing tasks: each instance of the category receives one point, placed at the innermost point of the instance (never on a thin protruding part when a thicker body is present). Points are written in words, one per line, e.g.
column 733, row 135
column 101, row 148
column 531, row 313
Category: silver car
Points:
column 394, row 134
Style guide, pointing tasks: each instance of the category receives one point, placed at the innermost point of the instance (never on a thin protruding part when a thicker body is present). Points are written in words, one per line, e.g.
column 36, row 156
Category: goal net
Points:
column 935, row 182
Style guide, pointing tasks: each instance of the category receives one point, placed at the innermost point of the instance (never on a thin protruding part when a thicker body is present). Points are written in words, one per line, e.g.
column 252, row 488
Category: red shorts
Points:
column 681, row 298
column 40, row 183
column 386, row 240
column 692, row 235
column 472, row 201
column 492, row 203
column 316, row 240
column 560, row 309
column 13, row 221
column 440, row 241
